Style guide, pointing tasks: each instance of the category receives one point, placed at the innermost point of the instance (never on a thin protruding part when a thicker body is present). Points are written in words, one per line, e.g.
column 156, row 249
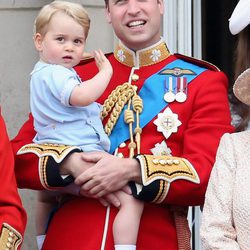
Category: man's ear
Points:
column 107, row 12
column 161, row 6
column 38, row 41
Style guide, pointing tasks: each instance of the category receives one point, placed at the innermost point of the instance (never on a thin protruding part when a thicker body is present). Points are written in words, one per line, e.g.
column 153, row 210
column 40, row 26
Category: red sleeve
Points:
column 205, row 117
column 11, row 211
column 209, row 120
column 26, row 165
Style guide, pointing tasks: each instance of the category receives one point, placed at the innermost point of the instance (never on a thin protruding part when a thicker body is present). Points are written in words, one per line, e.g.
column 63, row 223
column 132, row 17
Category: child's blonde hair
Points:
column 74, row 10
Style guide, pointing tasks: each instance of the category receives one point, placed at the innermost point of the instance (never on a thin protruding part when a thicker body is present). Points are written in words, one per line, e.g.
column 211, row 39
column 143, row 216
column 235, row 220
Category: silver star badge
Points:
column 167, row 122
column 161, row 149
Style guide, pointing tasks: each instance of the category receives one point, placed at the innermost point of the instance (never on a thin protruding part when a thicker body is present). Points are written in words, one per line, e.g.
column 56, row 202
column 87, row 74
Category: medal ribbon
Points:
column 152, row 93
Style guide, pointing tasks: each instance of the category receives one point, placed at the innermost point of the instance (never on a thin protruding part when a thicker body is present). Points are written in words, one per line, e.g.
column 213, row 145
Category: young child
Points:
column 64, row 108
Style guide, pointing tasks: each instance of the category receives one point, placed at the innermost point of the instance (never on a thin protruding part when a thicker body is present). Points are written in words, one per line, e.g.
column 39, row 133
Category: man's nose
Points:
column 133, row 7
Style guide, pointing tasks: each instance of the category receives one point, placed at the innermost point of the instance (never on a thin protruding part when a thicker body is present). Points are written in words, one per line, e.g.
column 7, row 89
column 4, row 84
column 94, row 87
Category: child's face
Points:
column 63, row 42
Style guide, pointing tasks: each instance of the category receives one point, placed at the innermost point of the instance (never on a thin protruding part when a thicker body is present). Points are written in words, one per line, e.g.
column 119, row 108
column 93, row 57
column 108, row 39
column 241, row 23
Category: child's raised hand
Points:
column 102, row 62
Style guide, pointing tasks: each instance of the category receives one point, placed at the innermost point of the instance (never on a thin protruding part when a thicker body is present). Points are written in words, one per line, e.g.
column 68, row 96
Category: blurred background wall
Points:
column 17, row 59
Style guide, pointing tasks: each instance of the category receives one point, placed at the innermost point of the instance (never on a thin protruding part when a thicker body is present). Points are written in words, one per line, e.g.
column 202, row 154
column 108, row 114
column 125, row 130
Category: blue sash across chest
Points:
column 152, row 93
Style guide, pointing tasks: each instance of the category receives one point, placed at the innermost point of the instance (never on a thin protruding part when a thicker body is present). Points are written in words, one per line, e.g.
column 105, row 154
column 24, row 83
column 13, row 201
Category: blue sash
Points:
column 152, row 93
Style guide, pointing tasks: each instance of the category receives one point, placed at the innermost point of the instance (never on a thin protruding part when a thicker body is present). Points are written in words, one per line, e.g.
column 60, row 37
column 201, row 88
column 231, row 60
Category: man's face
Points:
column 137, row 23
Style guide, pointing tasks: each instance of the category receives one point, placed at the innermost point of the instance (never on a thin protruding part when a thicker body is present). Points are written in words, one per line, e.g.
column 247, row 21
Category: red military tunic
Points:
column 12, row 214
column 200, row 122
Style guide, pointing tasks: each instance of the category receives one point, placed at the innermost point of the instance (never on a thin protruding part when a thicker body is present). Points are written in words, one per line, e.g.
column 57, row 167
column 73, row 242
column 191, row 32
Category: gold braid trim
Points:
column 167, row 168
column 10, row 238
column 129, row 119
column 138, row 107
column 115, row 113
column 58, row 152
column 162, row 192
column 114, row 104
column 113, row 98
column 42, row 168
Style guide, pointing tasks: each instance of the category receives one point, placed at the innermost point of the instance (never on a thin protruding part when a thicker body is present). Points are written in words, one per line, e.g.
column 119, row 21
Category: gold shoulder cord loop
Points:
column 138, row 107
column 114, row 104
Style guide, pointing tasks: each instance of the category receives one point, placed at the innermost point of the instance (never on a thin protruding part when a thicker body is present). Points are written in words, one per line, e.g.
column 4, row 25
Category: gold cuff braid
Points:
column 10, row 238
column 58, row 152
column 44, row 152
column 166, row 168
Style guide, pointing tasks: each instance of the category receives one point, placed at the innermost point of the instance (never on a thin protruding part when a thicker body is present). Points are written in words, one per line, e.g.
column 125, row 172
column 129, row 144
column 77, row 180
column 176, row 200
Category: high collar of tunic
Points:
column 145, row 57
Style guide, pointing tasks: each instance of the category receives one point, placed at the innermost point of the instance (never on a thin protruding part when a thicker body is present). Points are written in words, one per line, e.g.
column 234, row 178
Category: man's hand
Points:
column 109, row 174
column 75, row 164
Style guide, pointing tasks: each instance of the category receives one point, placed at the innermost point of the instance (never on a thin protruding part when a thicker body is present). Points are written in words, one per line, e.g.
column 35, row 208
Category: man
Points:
column 175, row 110
column 12, row 214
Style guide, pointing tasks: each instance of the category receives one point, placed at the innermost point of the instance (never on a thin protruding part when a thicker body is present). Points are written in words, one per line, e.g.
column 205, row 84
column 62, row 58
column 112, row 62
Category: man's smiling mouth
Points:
column 136, row 24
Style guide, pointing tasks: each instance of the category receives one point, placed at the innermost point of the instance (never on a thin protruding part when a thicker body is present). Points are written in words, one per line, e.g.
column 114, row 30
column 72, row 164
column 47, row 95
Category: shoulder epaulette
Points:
column 198, row 62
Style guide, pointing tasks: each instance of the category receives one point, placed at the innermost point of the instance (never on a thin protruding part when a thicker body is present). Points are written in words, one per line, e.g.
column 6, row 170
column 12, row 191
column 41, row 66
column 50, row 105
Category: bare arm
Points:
column 91, row 90
column 79, row 163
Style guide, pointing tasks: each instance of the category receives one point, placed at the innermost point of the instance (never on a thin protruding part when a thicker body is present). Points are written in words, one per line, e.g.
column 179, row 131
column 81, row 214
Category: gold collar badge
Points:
column 145, row 57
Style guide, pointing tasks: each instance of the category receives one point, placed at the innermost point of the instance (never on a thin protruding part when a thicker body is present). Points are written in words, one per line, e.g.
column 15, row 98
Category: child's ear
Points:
column 38, row 41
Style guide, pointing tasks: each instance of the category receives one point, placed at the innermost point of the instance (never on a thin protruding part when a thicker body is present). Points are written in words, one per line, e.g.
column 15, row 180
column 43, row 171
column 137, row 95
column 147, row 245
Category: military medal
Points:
column 181, row 95
column 169, row 95
column 176, row 87
column 167, row 122
column 161, row 149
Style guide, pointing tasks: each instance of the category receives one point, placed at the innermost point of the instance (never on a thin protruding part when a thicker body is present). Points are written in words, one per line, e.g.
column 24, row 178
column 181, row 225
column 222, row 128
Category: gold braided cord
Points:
column 129, row 119
column 116, row 100
column 114, row 104
column 138, row 107
column 113, row 97
column 115, row 114
column 137, row 103
column 129, row 116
